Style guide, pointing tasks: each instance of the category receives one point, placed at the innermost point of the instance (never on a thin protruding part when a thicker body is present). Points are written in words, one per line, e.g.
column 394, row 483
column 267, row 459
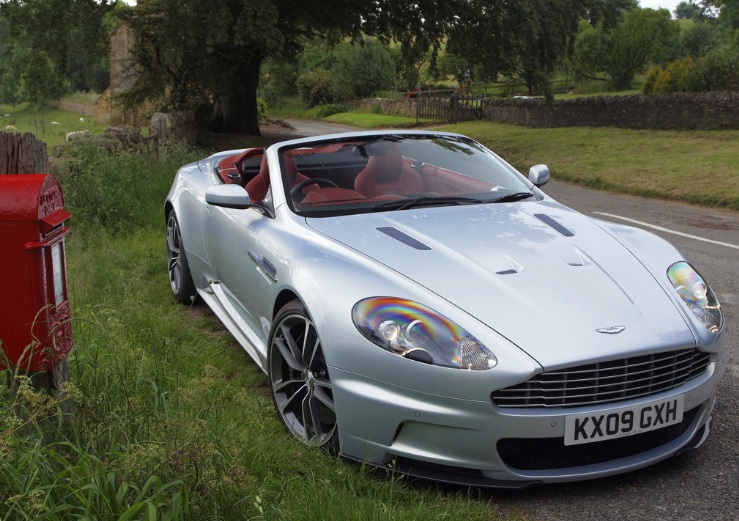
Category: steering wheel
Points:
column 296, row 191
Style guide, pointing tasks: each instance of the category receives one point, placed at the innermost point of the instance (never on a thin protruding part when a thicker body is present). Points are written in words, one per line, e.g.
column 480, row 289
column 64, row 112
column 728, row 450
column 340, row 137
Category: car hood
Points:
column 549, row 279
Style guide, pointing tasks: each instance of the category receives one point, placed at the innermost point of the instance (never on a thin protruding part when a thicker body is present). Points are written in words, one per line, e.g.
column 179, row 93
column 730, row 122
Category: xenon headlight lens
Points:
column 415, row 331
column 696, row 294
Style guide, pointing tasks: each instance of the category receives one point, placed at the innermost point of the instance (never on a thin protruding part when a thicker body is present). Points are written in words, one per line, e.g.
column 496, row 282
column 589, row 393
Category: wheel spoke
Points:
column 172, row 238
column 287, row 354
column 279, row 386
column 283, row 405
column 306, row 337
column 316, row 345
column 295, row 349
column 311, row 418
column 322, row 396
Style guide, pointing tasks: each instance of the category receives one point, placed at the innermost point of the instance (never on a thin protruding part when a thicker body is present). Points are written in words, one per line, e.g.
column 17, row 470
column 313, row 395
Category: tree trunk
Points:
column 22, row 154
column 236, row 110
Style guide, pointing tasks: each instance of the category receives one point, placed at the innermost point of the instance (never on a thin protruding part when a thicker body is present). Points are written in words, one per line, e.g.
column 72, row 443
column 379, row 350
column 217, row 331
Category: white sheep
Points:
column 77, row 134
column 10, row 128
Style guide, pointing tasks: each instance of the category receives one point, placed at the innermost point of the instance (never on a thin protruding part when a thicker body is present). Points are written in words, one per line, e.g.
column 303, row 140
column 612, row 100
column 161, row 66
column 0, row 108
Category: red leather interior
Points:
column 388, row 174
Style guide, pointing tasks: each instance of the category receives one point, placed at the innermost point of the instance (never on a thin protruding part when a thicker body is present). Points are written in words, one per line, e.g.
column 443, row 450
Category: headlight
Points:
column 697, row 295
column 414, row 331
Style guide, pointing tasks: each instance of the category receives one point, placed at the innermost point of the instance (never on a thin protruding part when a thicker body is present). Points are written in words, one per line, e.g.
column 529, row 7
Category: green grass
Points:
column 49, row 125
column 698, row 167
column 365, row 120
column 171, row 419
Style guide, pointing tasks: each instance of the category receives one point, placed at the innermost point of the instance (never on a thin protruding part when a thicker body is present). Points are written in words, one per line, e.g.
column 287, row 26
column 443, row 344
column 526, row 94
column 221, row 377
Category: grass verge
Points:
column 697, row 167
column 171, row 420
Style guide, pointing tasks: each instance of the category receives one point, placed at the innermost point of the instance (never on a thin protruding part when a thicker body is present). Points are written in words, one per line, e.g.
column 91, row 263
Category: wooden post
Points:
column 23, row 154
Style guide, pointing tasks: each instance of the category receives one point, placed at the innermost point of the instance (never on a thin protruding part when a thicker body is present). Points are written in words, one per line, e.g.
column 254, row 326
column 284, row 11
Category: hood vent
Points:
column 403, row 237
column 546, row 219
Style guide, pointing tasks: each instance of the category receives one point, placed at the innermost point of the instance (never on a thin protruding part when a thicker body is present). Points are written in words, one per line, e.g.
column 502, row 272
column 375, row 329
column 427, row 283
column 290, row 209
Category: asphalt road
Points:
column 704, row 484
column 701, row 485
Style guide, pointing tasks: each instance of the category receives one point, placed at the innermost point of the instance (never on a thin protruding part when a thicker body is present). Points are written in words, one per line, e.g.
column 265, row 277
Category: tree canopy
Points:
column 624, row 49
column 191, row 52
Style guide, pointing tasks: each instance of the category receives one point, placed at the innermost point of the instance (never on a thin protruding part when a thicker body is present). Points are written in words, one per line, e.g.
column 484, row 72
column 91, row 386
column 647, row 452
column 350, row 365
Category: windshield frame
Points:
column 339, row 161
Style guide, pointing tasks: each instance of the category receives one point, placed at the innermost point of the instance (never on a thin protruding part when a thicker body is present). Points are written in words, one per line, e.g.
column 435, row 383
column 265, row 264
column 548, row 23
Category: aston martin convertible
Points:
column 417, row 303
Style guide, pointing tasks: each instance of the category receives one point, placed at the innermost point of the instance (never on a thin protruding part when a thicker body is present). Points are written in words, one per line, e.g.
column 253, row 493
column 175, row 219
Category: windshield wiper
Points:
column 510, row 198
column 425, row 200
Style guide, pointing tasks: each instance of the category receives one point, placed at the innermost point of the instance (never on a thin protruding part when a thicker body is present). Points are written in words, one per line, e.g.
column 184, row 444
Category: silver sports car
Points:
column 417, row 303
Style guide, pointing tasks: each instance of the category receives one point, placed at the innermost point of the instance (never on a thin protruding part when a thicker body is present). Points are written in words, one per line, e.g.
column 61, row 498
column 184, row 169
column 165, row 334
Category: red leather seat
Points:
column 257, row 188
column 388, row 175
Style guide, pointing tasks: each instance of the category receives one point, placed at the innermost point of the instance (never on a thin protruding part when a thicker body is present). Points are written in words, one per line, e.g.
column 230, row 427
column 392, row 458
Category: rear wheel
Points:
column 299, row 379
column 180, row 279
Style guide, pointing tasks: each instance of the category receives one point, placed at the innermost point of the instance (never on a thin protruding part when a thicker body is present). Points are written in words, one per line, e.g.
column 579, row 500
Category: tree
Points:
column 69, row 32
column 620, row 52
column 527, row 39
column 196, row 52
column 688, row 10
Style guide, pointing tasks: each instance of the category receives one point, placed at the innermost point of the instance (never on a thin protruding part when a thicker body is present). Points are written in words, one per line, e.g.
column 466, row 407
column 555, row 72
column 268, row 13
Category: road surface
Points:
column 702, row 485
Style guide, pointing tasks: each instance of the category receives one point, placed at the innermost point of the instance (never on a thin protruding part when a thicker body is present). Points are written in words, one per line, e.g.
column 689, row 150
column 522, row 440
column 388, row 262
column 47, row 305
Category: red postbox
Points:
column 35, row 327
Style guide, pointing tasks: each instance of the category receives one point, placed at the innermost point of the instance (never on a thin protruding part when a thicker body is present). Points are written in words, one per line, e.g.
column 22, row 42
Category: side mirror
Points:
column 539, row 175
column 228, row 196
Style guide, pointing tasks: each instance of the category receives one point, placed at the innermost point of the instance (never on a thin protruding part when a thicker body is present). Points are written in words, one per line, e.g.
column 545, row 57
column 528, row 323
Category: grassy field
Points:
column 50, row 125
column 696, row 167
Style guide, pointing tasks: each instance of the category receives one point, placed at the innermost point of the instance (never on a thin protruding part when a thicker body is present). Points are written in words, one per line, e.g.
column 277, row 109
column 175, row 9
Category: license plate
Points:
column 624, row 421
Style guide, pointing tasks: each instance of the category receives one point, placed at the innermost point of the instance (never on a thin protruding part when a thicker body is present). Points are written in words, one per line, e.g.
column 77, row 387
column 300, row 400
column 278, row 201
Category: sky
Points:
column 670, row 5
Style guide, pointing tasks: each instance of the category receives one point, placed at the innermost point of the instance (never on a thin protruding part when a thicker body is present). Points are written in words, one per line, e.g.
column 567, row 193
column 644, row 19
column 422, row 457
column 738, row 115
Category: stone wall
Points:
column 677, row 111
column 403, row 107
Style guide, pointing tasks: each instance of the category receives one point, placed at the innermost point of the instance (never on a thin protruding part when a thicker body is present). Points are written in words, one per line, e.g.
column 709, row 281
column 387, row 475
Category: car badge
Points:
column 613, row 330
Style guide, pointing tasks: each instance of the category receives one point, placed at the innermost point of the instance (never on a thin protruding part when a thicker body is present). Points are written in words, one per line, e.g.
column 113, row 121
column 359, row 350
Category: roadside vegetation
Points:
column 168, row 418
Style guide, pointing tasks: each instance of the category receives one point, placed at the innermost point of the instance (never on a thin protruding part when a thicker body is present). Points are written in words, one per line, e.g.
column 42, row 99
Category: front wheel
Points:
column 299, row 379
column 180, row 279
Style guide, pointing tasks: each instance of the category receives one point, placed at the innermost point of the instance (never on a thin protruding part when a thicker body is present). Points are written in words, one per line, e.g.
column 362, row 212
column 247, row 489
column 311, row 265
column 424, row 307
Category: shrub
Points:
column 672, row 78
column 316, row 87
column 718, row 70
column 650, row 79
column 324, row 111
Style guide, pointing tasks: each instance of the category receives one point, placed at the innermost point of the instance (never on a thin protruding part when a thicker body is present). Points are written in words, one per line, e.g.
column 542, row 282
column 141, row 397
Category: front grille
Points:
column 606, row 382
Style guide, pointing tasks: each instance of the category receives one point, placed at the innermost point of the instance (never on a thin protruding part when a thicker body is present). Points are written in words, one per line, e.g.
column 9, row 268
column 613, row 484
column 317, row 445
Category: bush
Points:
column 672, row 79
column 324, row 111
column 718, row 70
column 316, row 87
column 124, row 193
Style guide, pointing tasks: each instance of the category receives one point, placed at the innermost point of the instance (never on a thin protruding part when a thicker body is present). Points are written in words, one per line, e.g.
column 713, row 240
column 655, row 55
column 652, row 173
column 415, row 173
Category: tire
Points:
column 180, row 278
column 299, row 379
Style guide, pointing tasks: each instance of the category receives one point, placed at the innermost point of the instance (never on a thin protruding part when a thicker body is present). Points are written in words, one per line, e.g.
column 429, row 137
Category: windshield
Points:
column 395, row 172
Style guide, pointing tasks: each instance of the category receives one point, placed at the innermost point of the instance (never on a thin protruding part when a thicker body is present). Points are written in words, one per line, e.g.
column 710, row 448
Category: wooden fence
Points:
column 452, row 109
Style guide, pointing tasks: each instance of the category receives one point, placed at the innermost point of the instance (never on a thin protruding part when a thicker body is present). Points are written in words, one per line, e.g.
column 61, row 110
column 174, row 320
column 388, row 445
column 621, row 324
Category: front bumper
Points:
column 475, row 443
